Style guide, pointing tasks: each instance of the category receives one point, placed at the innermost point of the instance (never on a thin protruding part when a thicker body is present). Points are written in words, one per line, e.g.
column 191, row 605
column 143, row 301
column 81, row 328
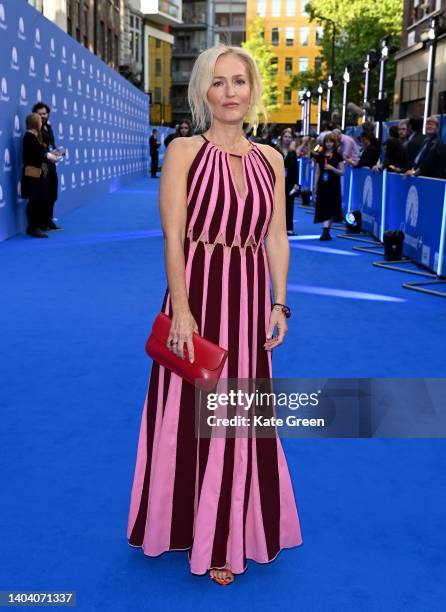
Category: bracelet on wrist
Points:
column 285, row 309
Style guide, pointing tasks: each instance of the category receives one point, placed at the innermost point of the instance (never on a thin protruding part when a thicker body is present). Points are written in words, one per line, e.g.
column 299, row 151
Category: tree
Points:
column 263, row 56
column 360, row 26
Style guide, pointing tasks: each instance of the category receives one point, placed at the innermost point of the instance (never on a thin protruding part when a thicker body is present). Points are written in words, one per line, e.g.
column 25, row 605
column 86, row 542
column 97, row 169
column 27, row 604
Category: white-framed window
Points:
column 261, row 8
column 135, row 28
column 319, row 35
column 303, row 4
column 290, row 8
column 304, row 36
column 288, row 65
column 287, row 95
column 289, row 37
column 275, row 8
column 275, row 36
column 303, row 64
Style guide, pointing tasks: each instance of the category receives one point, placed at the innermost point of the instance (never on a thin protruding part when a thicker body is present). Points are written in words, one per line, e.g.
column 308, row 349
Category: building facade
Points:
column 191, row 37
column 131, row 36
column 295, row 42
column 412, row 61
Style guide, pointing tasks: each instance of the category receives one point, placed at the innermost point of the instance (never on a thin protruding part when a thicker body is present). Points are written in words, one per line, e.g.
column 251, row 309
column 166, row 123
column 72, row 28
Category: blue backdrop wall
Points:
column 101, row 119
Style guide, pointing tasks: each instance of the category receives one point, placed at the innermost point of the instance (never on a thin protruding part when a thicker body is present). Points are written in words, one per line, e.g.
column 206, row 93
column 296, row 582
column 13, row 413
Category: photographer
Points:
column 329, row 169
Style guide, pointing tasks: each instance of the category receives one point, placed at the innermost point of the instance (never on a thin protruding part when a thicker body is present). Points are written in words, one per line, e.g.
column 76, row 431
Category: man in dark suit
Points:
column 52, row 181
column 431, row 160
column 415, row 140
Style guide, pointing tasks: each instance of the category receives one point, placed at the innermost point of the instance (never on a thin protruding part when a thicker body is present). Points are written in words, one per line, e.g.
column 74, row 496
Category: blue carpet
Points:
column 76, row 310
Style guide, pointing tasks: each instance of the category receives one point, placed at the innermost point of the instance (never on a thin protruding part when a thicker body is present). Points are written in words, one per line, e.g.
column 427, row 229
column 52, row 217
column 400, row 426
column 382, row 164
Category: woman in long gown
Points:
column 222, row 204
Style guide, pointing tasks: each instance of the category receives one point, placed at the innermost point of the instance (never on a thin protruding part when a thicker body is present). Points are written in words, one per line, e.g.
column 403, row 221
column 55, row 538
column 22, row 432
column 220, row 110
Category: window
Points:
column 288, row 65
column 289, row 37
column 158, row 95
column 318, row 64
column 116, row 51
column 135, row 38
column 275, row 8
column 261, row 8
column 158, row 43
column 290, row 8
column 274, row 65
column 158, row 67
column 303, row 64
column 319, row 35
column 287, row 95
column 275, row 36
column 304, row 36
column 302, row 7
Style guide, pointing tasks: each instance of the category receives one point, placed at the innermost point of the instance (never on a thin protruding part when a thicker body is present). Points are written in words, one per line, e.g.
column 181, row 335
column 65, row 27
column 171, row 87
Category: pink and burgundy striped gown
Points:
column 225, row 500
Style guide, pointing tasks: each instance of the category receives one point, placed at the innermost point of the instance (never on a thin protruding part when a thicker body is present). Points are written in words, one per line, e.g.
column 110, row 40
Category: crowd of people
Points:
column 406, row 150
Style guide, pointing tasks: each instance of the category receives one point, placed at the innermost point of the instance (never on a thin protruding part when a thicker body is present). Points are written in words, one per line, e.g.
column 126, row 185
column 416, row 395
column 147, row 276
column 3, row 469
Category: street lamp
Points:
column 430, row 38
column 320, row 92
column 382, row 64
column 329, row 88
column 308, row 101
column 303, row 116
column 366, row 86
column 346, row 79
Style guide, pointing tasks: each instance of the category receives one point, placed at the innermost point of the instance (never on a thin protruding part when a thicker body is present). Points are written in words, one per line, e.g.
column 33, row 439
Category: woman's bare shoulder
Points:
column 274, row 156
column 184, row 148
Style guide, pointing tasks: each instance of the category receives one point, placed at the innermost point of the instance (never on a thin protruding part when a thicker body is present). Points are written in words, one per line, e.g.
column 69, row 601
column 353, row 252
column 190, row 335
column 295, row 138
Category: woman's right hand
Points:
column 183, row 325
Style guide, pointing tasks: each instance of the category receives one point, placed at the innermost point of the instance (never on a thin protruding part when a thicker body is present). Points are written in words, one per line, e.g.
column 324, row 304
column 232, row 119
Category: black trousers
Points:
column 52, row 188
column 36, row 212
column 154, row 164
column 36, row 190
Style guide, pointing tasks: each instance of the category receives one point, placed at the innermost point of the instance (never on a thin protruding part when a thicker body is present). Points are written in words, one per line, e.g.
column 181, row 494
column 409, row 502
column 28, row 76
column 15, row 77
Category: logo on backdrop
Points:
column 4, row 91
column 3, row 25
column 21, row 30
column 37, row 39
column 412, row 206
column 14, row 60
column 32, row 67
column 7, row 161
column 23, row 100
column 17, row 132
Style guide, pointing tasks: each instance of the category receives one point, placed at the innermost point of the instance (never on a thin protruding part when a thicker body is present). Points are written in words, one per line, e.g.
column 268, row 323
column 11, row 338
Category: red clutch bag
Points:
column 209, row 358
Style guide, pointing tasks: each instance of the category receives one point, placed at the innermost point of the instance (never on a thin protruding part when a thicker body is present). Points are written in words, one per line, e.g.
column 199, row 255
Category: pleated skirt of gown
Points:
column 225, row 500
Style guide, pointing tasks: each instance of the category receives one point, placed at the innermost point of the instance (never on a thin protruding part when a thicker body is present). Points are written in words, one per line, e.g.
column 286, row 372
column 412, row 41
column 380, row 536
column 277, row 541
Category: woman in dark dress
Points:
column 327, row 185
column 287, row 147
column 34, row 188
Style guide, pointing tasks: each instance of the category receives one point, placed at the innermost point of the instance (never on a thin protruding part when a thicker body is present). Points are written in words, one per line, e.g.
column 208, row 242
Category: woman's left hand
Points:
column 276, row 319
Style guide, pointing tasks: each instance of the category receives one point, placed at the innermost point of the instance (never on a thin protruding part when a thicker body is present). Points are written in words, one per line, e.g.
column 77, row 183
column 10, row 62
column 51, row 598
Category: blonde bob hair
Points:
column 201, row 80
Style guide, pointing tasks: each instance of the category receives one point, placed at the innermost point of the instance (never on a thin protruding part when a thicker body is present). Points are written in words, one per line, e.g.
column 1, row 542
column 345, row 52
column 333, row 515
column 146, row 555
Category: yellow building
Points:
column 295, row 42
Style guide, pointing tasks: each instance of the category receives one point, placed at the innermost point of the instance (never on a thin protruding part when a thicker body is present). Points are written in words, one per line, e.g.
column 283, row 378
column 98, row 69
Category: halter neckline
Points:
column 227, row 152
